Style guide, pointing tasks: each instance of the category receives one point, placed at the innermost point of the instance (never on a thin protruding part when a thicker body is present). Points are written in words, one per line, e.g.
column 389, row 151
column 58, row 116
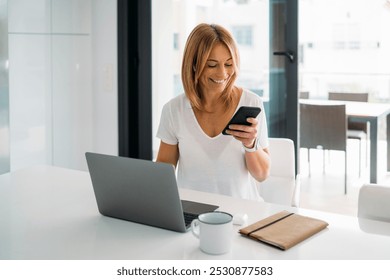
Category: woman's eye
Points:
column 215, row 65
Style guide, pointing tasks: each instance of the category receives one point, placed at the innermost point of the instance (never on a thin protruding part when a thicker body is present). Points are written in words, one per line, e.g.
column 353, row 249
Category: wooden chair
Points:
column 356, row 130
column 282, row 186
column 324, row 127
column 373, row 202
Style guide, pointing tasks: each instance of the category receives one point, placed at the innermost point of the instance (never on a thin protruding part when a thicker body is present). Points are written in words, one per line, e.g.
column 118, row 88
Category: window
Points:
column 243, row 35
column 346, row 36
column 174, row 19
column 175, row 41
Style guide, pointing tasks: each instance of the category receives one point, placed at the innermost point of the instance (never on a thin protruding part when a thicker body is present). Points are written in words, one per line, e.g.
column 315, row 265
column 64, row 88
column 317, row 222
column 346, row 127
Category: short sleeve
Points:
column 166, row 131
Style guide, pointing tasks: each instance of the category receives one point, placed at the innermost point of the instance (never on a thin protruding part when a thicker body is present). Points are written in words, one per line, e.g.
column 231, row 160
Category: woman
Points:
column 191, row 124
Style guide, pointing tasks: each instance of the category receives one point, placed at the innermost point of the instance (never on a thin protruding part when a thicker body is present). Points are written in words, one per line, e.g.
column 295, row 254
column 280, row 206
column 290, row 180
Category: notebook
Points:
column 141, row 191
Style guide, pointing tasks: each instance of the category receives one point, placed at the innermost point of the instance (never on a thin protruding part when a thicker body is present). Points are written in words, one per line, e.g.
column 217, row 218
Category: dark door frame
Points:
column 283, row 103
column 135, row 79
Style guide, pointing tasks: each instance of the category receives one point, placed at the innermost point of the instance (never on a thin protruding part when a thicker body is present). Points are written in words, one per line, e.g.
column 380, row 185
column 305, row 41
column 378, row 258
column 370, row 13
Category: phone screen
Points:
column 241, row 115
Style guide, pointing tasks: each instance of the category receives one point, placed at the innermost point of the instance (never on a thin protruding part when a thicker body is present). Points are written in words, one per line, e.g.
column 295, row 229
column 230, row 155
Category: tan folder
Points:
column 284, row 229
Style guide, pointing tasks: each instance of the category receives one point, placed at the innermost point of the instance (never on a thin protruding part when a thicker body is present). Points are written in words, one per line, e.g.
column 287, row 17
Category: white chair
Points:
column 282, row 186
column 374, row 202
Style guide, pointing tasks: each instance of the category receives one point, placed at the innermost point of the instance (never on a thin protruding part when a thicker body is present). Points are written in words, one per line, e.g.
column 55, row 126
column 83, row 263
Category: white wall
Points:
column 104, row 76
column 30, row 82
column 63, row 91
column 4, row 91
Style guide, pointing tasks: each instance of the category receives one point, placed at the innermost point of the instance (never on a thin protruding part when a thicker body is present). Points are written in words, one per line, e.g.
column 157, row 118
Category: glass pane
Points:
column 344, row 47
column 172, row 22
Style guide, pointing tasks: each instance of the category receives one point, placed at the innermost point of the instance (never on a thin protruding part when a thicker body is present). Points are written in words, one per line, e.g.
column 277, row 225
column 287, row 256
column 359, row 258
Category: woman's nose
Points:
column 223, row 71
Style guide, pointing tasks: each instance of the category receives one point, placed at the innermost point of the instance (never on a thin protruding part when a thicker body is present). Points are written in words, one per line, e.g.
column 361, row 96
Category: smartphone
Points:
column 241, row 115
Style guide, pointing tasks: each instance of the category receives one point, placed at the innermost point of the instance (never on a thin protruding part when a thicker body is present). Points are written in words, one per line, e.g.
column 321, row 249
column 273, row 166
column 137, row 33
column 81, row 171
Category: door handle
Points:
column 289, row 55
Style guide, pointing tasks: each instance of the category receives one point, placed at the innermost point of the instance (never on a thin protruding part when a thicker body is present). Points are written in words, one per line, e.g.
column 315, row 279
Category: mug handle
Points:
column 195, row 228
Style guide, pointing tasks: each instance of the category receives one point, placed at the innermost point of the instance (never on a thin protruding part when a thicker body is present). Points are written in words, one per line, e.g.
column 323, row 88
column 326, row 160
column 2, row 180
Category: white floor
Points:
column 325, row 191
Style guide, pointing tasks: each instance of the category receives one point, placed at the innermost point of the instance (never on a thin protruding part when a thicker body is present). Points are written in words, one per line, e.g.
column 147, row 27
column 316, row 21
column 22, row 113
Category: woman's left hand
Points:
column 247, row 134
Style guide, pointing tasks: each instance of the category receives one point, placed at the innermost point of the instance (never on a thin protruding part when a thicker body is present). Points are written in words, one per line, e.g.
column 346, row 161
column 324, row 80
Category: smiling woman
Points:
column 191, row 124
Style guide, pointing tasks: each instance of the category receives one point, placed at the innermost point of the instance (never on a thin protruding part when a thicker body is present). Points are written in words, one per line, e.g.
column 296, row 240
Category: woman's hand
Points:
column 247, row 134
column 257, row 162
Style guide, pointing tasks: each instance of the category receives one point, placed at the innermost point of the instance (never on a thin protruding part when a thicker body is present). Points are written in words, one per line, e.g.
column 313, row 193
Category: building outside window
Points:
column 243, row 35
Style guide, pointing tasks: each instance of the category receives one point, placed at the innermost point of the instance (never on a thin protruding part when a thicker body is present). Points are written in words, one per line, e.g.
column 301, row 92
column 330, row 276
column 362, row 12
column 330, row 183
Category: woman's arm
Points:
column 168, row 153
column 257, row 162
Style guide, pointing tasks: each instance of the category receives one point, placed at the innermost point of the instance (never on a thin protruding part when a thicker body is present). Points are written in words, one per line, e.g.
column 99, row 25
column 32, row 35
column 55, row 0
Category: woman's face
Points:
column 218, row 70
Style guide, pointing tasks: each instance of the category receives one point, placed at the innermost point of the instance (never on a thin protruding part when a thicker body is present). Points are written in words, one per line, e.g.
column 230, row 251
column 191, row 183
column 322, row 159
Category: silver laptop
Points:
column 141, row 191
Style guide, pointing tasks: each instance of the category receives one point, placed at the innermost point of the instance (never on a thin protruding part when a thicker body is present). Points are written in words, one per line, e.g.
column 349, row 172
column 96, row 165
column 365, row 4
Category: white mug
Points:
column 214, row 231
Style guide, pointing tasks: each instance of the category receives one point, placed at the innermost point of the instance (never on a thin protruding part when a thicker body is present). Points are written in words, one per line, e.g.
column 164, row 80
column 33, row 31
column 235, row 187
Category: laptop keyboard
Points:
column 188, row 218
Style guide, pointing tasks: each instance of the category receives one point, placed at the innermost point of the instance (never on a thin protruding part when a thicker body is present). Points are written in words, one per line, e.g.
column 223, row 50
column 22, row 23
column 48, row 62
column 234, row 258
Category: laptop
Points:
column 141, row 191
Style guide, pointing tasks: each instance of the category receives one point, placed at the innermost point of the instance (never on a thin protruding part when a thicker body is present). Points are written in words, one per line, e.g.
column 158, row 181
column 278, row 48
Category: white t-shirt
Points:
column 210, row 164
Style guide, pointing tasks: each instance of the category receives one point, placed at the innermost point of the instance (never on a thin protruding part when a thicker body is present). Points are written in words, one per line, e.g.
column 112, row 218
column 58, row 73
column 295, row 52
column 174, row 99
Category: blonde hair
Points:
column 197, row 50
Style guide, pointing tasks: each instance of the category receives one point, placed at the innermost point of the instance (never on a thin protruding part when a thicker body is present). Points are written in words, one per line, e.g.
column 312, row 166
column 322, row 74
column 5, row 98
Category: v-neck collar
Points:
column 188, row 106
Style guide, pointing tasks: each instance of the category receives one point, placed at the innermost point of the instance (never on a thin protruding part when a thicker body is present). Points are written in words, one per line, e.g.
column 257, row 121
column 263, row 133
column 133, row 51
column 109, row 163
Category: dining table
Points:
column 364, row 112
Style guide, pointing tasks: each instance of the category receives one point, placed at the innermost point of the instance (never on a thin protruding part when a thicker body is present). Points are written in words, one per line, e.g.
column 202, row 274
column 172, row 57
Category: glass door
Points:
column 345, row 48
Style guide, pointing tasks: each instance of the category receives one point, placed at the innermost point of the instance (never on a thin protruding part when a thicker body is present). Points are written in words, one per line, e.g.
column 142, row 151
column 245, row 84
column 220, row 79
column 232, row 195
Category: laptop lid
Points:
column 138, row 190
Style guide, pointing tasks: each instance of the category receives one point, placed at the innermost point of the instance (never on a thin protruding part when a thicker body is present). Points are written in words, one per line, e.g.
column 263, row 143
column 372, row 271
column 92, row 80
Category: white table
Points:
column 50, row 213
column 364, row 112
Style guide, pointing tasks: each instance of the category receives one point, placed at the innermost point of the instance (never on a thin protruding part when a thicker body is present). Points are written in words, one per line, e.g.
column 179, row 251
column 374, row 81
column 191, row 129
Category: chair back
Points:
column 345, row 96
column 374, row 202
column 348, row 96
column 304, row 95
column 323, row 125
column 282, row 186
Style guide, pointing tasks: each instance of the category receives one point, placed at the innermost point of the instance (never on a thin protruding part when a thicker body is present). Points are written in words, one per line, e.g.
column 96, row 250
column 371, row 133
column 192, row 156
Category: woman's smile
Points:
column 218, row 81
